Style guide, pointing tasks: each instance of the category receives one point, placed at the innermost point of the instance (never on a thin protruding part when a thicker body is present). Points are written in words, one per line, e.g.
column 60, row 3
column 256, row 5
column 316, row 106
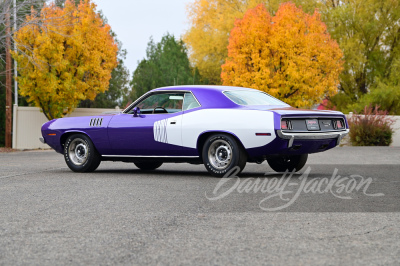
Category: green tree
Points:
column 384, row 94
column 167, row 64
column 368, row 32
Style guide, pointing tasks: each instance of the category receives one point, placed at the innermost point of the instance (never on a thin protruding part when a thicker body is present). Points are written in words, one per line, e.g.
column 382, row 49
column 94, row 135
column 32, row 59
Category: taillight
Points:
column 285, row 124
column 338, row 124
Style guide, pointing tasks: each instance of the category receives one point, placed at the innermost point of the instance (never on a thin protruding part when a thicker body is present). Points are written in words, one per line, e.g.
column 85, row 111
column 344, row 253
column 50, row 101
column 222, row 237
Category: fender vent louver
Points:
column 96, row 122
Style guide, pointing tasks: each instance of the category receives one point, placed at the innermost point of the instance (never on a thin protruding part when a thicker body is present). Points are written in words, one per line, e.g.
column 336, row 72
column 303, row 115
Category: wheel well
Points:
column 203, row 137
column 64, row 137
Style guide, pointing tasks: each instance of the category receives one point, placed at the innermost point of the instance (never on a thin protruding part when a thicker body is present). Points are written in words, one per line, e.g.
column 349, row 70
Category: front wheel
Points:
column 221, row 153
column 288, row 162
column 80, row 154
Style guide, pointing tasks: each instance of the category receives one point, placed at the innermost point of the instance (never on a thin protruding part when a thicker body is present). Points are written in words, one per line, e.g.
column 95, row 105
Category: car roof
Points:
column 202, row 87
column 209, row 96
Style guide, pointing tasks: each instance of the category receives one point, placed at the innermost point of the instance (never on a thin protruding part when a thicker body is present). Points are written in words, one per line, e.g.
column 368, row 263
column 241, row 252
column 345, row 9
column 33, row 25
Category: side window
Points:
column 189, row 102
column 161, row 103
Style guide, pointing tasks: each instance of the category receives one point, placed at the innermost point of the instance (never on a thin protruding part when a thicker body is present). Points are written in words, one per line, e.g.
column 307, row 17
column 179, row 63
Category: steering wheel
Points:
column 159, row 107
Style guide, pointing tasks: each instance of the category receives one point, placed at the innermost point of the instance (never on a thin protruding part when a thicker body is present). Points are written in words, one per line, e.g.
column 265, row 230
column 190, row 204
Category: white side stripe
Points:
column 160, row 131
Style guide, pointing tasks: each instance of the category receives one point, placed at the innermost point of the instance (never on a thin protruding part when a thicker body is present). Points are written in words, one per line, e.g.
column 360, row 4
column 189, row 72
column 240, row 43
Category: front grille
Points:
column 96, row 122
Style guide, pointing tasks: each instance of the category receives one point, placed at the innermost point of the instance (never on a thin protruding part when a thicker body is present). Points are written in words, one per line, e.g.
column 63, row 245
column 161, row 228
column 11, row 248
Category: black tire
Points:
column 80, row 154
column 148, row 166
column 230, row 155
column 289, row 162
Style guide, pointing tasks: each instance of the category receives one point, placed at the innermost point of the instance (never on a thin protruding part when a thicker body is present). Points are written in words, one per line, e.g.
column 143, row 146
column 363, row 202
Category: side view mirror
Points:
column 136, row 112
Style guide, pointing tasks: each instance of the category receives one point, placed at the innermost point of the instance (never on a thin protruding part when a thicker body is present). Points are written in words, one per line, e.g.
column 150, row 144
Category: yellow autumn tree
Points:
column 207, row 39
column 291, row 55
column 211, row 22
column 65, row 55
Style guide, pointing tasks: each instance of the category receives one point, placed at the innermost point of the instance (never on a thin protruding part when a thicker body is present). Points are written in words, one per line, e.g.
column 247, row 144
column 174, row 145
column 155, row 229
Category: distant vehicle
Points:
column 221, row 127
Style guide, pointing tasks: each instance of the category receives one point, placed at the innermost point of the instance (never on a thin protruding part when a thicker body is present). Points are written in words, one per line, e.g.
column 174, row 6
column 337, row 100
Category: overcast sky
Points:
column 134, row 21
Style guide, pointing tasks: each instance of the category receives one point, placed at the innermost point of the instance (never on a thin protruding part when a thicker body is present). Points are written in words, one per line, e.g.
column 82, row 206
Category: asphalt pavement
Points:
column 342, row 208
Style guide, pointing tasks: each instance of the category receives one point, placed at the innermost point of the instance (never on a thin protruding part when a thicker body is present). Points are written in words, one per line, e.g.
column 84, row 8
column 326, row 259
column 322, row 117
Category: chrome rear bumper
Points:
column 338, row 135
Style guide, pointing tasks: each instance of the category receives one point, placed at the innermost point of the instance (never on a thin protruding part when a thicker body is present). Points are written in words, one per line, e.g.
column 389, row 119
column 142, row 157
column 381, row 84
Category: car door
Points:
column 156, row 131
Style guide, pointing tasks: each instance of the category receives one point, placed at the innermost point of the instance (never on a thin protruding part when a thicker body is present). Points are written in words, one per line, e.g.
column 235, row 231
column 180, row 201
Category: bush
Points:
column 372, row 128
column 387, row 97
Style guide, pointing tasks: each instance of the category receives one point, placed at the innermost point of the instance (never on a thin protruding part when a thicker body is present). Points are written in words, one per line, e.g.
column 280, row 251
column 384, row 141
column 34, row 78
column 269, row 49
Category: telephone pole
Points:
column 15, row 109
column 15, row 62
column 8, row 81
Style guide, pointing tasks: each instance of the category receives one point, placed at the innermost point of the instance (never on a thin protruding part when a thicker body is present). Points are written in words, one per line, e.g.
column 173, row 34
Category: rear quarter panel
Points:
column 244, row 124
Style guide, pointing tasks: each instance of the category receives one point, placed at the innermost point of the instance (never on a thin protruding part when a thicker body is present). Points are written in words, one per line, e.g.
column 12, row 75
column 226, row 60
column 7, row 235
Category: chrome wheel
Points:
column 220, row 154
column 78, row 151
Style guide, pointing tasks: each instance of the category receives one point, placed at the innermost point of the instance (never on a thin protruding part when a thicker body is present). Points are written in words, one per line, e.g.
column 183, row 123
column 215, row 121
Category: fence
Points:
column 29, row 120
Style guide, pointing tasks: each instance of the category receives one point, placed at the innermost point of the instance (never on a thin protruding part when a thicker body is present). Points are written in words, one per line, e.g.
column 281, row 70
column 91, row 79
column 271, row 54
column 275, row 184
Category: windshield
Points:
column 252, row 98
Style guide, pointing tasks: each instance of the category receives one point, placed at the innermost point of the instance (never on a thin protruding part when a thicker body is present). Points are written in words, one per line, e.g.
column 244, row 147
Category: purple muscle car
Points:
column 221, row 127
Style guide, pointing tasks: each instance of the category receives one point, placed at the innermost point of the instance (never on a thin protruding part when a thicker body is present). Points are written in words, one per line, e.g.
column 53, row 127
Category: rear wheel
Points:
column 80, row 154
column 288, row 162
column 148, row 166
column 221, row 153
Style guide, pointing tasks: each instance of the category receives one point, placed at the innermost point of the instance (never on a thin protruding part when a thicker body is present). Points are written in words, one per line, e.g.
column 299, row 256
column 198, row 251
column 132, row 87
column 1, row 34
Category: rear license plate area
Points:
column 312, row 124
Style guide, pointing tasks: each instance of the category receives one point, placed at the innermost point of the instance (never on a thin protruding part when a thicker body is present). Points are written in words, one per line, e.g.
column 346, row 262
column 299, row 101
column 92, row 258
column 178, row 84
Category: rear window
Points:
column 252, row 98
